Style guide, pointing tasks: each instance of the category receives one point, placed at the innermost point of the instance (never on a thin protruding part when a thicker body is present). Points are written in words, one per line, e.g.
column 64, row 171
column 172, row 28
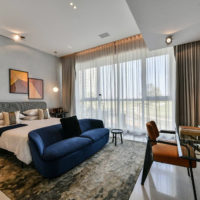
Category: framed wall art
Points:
column 35, row 88
column 18, row 81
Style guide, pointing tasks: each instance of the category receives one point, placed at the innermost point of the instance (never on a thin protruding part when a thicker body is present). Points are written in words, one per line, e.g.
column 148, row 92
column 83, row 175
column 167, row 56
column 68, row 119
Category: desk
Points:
column 192, row 143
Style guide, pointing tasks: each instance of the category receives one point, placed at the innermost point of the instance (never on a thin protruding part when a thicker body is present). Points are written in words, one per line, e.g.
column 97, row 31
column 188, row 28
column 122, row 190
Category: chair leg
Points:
column 188, row 170
column 147, row 162
column 193, row 183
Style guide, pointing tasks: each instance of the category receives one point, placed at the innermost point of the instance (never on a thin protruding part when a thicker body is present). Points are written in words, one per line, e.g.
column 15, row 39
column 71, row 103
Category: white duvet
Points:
column 16, row 140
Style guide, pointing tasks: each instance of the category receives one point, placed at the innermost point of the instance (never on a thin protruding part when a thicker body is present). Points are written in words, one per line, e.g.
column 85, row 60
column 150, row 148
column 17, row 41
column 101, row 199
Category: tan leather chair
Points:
column 165, row 152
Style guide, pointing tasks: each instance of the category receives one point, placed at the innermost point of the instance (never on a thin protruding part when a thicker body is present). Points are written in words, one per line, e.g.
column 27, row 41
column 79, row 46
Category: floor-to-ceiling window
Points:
column 126, row 85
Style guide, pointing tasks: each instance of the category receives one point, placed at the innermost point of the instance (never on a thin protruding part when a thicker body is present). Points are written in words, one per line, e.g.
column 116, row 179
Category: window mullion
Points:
column 99, row 113
column 143, row 89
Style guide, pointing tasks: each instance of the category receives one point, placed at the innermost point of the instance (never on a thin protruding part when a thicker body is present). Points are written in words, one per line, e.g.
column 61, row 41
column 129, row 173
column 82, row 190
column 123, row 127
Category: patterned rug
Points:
column 108, row 175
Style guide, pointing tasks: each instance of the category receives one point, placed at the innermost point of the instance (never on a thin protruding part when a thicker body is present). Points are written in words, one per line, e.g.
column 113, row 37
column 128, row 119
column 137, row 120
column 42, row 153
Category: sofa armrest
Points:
column 37, row 140
column 88, row 124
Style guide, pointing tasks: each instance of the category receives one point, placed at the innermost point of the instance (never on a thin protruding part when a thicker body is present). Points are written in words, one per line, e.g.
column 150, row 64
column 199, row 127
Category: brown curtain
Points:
column 188, row 84
column 68, row 84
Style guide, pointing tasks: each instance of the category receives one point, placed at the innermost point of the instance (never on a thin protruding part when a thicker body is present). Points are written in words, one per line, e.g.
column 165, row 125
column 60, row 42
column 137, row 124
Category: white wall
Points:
column 38, row 64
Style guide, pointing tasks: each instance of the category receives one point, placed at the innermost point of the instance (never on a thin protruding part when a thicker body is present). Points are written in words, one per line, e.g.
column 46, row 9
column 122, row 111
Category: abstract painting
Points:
column 35, row 88
column 18, row 81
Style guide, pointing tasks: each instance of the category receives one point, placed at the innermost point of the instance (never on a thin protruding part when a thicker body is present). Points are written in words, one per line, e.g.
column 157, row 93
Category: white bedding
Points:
column 16, row 140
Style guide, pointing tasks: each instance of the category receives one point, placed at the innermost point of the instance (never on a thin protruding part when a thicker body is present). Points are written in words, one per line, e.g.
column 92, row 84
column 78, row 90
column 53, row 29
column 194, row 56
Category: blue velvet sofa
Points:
column 54, row 155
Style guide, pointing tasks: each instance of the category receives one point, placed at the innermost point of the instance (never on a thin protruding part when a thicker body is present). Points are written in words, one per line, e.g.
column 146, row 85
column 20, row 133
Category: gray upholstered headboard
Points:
column 21, row 106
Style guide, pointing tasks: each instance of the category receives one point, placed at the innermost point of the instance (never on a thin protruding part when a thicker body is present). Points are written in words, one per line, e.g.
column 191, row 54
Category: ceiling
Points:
column 158, row 18
column 53, row 25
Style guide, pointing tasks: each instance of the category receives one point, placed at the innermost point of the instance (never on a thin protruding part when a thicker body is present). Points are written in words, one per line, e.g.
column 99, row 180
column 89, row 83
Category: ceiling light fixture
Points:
column 71, row 4
column 168, row 39
column 74, row 7
column 17, row 37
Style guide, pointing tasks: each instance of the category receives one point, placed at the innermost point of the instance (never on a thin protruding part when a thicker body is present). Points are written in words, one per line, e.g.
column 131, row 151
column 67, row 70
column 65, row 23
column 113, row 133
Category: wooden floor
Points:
column 167, row 182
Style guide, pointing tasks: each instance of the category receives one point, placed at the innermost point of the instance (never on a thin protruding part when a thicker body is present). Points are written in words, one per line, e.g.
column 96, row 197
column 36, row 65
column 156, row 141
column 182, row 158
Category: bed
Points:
column 16, row 140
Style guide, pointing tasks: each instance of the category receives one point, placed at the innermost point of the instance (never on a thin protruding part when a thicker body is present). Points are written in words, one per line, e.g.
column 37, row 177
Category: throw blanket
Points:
column 6, row 128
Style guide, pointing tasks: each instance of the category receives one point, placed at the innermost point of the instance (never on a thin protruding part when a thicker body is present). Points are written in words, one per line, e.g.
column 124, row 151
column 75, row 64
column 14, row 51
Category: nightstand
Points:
column 58, row 113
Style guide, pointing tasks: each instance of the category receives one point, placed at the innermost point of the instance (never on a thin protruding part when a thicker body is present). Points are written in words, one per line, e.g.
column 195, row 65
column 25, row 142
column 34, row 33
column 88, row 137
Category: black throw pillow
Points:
column 71, row 127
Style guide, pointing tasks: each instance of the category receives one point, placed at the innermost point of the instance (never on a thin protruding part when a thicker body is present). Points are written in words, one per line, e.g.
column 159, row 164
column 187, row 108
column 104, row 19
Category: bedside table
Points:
column 58, row 112
column 59, row 115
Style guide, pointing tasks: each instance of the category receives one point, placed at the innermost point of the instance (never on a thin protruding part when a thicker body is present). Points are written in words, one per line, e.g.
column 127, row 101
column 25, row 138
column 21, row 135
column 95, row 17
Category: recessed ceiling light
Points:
column 17, row 37
column 168, row 39
column 71, row 4
column 74, row 7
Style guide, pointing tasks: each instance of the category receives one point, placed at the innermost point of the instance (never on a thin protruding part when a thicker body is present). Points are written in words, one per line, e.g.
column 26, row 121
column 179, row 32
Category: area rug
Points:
column 108, row 175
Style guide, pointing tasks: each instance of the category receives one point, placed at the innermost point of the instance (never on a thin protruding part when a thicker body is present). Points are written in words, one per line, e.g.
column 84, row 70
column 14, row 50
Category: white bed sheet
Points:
column 16, row 140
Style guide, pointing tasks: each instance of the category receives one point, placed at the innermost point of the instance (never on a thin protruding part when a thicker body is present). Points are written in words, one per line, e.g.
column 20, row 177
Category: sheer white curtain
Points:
column 90, row 78
column 126, row 85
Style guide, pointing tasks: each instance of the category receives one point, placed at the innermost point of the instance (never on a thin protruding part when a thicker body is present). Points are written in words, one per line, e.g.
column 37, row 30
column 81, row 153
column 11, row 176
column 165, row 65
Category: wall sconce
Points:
column 168, row 39
column 55, row 89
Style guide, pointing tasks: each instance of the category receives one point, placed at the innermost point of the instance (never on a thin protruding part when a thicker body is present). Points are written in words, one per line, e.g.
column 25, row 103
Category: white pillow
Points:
column 30, row 118
column 1, row 122
column 21, row 116
column 46, row 114
column 1, row 116
column 32, row 112
column 17, row 115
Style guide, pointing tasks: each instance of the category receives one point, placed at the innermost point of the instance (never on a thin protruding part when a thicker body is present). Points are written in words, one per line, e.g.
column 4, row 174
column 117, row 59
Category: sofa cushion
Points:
column 71, row 127
column 65, row 147
column 95, row 134
column 89, row 124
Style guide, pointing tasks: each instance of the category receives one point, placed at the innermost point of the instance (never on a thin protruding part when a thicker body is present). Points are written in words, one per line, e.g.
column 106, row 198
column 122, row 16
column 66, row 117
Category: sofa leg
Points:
column 147, row 162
